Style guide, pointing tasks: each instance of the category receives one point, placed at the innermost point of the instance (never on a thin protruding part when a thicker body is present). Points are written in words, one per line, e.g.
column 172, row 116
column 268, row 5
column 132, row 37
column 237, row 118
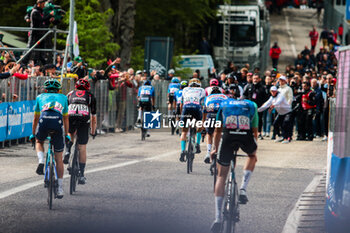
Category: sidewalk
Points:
column 308, row 214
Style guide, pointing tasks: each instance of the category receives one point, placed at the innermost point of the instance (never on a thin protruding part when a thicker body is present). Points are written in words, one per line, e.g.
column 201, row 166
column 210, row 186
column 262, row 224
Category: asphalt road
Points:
column 141, row 187
column 136, row 186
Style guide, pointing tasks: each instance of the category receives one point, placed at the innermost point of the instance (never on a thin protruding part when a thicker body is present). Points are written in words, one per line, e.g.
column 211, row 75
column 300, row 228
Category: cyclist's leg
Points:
column 41, row 135
column 71, row 133
column 209, row 144
column 83, row 138
column 249, row 146
column 223, row 165
column 139, row 116
column 183, row 137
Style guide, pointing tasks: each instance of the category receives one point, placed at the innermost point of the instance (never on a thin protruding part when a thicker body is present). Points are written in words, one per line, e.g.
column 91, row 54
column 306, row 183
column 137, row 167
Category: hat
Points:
column 139, row 72
column 171, row 71
column 250, row 74
column 283, row 78
column 273, row 88
column 78, row 59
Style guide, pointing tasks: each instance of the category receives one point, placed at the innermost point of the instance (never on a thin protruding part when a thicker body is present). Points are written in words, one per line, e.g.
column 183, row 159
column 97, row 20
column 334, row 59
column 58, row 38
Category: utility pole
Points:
column 70, row 39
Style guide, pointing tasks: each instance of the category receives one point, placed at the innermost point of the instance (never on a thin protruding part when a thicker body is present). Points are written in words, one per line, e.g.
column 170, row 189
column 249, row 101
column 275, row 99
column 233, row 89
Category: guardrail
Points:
column 116, row 109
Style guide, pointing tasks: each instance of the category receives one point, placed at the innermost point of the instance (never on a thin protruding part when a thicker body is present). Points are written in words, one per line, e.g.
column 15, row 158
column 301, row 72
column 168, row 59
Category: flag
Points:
column 75, row 40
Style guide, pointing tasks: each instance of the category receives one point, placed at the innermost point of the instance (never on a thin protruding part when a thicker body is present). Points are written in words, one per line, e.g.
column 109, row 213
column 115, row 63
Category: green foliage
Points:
column 184, row 73
column 137, row 58
column 94, row 36
column 184, row 20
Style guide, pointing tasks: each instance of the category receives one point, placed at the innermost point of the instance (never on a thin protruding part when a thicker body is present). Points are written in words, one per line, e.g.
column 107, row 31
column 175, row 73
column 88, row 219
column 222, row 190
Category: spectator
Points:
column 256, row 92
column 275, row 52
column 285, row 90
column 308, row 104
column 332, row 39
column 267, row 115
column 171, row 74
column 284, row 110
column 340, row 33
column 313, row 38
column 59, row 62
column 319, row 107
column 324, row 37
column 38, row 20
column 204, row 47
column 79, row 67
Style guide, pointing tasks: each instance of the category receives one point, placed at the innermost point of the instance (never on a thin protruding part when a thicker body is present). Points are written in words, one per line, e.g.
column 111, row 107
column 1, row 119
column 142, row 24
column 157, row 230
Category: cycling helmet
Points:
column 175, row 80
column 215, row 90
column 235, row 88
column 184, row 84
column 52, row 85
column 214, row 82
column 147, row 82
column 195, row 82
column 82, row 84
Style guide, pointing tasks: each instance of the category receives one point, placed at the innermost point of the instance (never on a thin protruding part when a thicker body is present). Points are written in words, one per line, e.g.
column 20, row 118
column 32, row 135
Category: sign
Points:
column 151, row 120
column 3, row 121
column 14, row 121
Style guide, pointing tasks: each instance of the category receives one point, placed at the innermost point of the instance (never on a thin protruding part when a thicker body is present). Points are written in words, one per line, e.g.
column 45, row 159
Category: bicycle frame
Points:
column 50, row 159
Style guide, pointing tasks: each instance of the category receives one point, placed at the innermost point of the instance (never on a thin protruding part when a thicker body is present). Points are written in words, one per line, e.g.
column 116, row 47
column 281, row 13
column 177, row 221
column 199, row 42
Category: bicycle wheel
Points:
column 172, row 126
column 189, row 153
column 231, row 208
column 215, row 172
column 51, row 185
column 73, row 175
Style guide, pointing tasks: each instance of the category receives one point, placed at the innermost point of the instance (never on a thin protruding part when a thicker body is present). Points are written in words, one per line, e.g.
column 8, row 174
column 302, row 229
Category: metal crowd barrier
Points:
column 116, row 109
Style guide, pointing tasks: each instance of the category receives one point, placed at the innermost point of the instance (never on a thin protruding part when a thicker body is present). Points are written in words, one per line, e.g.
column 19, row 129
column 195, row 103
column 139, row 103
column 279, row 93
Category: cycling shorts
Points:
column 81, row 128
column 191, row 112
column 51, row 121
column 234, row 140
column 171, row 98
column 210, row 117
column 146, row 106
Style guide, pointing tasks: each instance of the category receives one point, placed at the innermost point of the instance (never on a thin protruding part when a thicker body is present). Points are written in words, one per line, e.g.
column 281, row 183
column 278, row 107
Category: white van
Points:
column 203, row 63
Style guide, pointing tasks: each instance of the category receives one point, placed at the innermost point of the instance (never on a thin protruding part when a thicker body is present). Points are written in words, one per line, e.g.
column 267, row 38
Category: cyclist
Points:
column 178, row 95
column 172, row 88
column 213, row 83
column 82, row 116
column 51, row 114
column 211, row 107
column 240, row 126
column 146, row 100
column 191, row 106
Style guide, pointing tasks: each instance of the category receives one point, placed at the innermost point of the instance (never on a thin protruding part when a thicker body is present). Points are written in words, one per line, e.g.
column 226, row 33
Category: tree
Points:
column 95, row 39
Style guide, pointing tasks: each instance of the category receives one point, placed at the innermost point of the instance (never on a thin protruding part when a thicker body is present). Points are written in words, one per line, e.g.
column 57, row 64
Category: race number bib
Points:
column 231, row 122
column 244, row 122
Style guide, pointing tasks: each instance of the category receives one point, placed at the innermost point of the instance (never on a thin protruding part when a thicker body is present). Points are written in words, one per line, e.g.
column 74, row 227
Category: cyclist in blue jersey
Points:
column 51, row 114
column 146, row 100
column 178, row 95
column 240, row 127
column 191, row 107
column 172, row 88
column 211, row 107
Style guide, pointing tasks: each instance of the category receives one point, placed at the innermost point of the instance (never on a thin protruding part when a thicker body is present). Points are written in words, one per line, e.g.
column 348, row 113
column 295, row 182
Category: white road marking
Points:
column 289, row 31
column 30, row 185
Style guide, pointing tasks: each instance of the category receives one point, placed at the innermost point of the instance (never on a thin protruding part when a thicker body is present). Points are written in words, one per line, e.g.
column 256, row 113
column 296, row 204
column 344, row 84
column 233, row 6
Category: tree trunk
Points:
column 122, row 25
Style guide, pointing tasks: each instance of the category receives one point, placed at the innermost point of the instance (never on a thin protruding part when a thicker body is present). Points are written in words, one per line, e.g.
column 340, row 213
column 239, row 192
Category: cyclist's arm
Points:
column 93, row 124
column 255, row 122
column 66, row 124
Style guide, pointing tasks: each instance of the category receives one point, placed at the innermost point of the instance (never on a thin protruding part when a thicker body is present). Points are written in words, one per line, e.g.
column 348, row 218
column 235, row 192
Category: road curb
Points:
column 308, row 212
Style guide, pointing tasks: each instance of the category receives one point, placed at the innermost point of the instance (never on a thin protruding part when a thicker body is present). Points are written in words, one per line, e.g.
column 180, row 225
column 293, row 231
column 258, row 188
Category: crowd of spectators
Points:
column 294, row 99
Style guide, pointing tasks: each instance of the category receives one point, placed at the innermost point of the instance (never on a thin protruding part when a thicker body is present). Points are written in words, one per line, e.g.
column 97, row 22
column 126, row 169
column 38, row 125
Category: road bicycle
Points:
column 50, row 175
column 74, row 169
column 231, row 201
column 190, row 149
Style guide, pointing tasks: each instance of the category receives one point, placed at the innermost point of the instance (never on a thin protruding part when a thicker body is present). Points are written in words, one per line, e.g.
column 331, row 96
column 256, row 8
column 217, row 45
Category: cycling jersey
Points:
column 146, row 93
column 208, row 90
column 51, row 101
column 193, row 97
column 178, row 95
column 81, row 104
column 173, row 87
column 238, row 114
column 212, row 103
